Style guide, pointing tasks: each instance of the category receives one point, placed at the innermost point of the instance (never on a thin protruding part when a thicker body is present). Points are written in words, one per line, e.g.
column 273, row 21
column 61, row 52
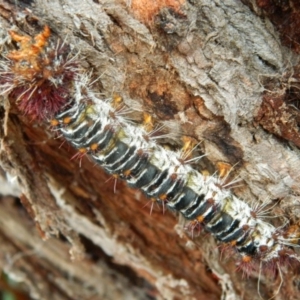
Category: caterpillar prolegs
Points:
column 46, row 84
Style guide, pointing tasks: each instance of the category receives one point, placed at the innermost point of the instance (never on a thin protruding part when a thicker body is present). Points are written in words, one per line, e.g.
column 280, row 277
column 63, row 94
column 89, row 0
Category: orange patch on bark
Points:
column 146, row 10
column 279, row 117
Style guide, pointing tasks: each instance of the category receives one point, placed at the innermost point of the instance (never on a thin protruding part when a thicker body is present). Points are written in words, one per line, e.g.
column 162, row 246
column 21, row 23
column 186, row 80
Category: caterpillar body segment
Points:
column 122, row 150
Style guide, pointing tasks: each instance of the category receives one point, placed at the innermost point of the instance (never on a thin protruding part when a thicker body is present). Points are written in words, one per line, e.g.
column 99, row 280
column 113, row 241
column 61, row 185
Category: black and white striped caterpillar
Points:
column 46, row 84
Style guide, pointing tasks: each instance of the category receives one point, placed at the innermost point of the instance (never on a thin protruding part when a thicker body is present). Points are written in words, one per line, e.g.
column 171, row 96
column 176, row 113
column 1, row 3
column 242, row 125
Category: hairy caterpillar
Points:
column 46, row 84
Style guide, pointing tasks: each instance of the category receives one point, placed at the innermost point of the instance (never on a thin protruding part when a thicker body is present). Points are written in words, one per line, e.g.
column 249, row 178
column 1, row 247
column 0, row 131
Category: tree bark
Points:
column 213, row 70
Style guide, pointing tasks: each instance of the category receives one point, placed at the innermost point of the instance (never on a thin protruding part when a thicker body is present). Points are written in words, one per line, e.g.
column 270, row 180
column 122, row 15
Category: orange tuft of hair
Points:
column 38, row 75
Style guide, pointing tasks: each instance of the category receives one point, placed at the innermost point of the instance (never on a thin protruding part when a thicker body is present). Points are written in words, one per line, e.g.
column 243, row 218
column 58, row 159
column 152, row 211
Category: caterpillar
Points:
column 44, row 81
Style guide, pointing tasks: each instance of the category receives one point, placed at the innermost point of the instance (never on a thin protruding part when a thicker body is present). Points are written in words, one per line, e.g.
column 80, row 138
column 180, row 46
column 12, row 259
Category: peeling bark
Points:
column 201, row 68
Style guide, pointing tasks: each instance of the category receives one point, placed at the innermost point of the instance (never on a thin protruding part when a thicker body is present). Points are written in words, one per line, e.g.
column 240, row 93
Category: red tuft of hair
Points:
column 39, row 75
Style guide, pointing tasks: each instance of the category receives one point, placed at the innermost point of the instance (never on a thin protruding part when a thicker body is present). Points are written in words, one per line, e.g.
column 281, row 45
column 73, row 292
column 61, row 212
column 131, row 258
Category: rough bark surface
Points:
column 201, row 68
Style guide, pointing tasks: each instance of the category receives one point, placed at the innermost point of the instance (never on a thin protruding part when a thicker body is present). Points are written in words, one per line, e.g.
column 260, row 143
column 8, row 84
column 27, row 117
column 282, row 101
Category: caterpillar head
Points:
column 39, row 75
